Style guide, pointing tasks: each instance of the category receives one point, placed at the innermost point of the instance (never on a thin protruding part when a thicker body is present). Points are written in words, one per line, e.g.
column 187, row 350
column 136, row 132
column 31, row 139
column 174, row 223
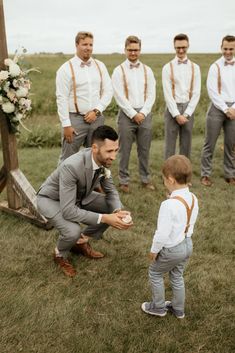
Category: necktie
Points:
column 85, row 63
column 134, row 66
column 229, row 63
column 182, row 61
column 96, row 174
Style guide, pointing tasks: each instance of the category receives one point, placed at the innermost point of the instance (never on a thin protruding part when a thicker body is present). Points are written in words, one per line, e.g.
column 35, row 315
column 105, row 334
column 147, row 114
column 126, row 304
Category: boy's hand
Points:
column 153, row 256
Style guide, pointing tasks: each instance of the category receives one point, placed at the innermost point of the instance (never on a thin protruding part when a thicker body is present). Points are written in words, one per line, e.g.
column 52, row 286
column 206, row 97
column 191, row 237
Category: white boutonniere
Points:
column 106, row 173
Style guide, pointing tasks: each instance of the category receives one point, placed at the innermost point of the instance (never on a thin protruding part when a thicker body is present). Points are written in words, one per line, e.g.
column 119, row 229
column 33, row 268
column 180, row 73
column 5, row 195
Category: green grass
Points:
column 98, row 311
column 44, row 122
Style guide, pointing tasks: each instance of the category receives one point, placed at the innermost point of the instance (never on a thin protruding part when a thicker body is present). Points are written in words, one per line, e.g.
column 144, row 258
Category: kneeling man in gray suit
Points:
column 67, row 198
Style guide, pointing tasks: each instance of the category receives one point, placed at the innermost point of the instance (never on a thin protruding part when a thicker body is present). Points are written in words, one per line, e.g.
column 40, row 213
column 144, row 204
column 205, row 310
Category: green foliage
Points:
column 98, row 311
column 44, row 101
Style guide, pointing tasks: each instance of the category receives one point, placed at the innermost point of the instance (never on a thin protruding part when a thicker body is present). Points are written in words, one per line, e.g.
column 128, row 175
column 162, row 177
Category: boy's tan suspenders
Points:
column 125, row 82
column 188, row 209
column 219, row 79
column 74, row 83
column 172, row 78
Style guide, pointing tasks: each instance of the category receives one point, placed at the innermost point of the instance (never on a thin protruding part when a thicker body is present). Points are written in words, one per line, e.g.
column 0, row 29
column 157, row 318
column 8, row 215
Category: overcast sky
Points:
column 51, row 25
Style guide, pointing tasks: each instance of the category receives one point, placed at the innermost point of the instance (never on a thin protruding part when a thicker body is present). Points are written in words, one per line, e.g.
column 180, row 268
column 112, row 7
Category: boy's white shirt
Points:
column 172, row 220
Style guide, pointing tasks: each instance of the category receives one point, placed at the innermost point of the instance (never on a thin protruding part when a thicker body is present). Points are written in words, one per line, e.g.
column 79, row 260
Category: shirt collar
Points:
column 94, row 164
column 176, row 58
column 223, row 59
column 182, row 191
column 128, row 62
column 80, row 60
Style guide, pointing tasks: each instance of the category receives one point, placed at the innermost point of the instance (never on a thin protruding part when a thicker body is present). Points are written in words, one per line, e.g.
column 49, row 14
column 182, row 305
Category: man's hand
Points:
column 139, row 118
column 69, row 133
column 153, row 256
column 115, row 220
column 230, row 112
column 181, row 119
column 90, row 117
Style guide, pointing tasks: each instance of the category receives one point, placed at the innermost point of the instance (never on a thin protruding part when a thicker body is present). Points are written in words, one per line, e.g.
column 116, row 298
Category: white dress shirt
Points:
column 227, row 74
column 182, row 78
column 172, row 221
column 87, row 89
column 135, row 84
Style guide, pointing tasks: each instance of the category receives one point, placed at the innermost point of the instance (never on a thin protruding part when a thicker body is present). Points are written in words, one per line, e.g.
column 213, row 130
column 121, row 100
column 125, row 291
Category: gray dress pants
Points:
column 82, row 138
column 128, row 132
column 173, row 129
column 173, row 261
column 215, row 121
column 70, row 232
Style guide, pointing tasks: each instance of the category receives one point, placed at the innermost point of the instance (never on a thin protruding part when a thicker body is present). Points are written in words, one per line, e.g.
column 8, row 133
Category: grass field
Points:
column 98, row 311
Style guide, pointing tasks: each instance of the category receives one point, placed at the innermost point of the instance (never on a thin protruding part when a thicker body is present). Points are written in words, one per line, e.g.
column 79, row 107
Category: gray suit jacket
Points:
column 70, row 186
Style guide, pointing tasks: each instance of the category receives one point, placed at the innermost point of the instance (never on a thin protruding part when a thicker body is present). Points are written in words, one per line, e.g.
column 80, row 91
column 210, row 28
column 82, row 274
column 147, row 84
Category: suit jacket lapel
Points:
column 88, row 171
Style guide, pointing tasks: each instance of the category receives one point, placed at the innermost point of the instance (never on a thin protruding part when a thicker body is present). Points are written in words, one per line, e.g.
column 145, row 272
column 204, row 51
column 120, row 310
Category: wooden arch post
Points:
column 21, row 196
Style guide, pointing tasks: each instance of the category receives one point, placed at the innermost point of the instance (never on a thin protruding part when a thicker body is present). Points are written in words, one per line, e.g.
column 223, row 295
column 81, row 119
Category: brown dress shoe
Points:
column 206, row 181
column 148, row 186
column 231, row 181
column 86, row 250
column 124, row 187
column 65, row 266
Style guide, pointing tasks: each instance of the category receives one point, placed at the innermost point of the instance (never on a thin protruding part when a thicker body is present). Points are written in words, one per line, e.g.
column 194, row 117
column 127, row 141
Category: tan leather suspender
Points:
column 219, row 79
column 74, row 83
column 188, row 209
column 74, row 87
column 173, row 80
column 125, row 82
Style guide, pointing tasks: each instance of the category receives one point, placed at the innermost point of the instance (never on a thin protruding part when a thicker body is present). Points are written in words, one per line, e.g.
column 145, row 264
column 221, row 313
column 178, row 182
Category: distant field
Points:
column 44, row 121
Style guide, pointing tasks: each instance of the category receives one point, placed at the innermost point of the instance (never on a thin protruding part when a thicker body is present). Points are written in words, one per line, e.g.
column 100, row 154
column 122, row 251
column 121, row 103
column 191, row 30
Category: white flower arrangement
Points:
column 106, row 173
column 14, row 92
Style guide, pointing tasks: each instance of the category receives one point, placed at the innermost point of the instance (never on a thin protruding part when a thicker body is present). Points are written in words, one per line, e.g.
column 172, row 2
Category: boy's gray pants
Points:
column 172, row 260
column 82, row 138
column 215, row 121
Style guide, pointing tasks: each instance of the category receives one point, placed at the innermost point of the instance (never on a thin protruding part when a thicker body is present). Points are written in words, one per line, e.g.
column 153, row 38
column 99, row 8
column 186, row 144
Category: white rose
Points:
column 14, row 70
column 1, row 100
column 107, row 173
column 8, row 107
column 26, row 103
column 15, row 83
column 8, row 62
column 21, row 92
column 3, row 75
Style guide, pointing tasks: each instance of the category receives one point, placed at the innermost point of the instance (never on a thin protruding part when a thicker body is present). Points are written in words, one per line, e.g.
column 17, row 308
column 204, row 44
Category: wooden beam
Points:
column 3, row 178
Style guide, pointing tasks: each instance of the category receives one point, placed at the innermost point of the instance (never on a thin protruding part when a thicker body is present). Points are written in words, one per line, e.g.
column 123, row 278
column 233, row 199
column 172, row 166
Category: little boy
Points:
column 172, row 244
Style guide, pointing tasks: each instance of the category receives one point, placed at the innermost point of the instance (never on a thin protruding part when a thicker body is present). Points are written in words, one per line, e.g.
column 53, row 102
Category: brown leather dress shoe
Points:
column 206, row 181
column 65, row 266
column 124, row 187
column 148, row 186
column 230, row 181
column 86, row 250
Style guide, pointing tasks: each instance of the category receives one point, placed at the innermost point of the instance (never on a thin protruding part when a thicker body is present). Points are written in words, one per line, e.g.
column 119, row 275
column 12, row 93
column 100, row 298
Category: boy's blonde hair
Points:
column 179, row 167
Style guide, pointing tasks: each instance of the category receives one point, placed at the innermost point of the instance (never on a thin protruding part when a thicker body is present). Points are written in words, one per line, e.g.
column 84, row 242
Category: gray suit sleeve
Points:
column 68, row 197
column 111, row 193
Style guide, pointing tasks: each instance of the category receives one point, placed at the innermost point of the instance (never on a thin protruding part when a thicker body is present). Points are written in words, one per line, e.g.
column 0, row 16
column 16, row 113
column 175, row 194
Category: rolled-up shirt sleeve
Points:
column 63, row 88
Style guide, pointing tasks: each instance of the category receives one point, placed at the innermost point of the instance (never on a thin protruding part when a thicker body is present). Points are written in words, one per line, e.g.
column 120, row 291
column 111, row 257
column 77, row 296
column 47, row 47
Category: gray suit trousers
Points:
column 69, row 231
column 173, row 129
column 215, row 121
column 173, row 261
column 82, row 138
column 128, row 132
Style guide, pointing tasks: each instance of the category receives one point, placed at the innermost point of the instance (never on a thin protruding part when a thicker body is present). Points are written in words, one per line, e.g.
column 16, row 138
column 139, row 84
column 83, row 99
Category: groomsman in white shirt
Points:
column 221, row 114
column 181, row 80
column 83, row 91
column 134, row 88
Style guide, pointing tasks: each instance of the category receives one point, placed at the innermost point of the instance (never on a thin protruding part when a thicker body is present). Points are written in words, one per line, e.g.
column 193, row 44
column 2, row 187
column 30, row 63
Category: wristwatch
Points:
column 97, row 112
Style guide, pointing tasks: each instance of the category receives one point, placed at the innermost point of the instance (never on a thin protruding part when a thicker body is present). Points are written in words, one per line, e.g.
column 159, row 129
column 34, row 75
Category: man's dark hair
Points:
column 228, row 38
column 104, row 132
column 181, row 36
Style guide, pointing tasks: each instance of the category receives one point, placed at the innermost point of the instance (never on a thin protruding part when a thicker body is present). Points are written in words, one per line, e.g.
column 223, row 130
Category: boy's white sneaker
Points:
column 177, row 313
column 148, row 308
